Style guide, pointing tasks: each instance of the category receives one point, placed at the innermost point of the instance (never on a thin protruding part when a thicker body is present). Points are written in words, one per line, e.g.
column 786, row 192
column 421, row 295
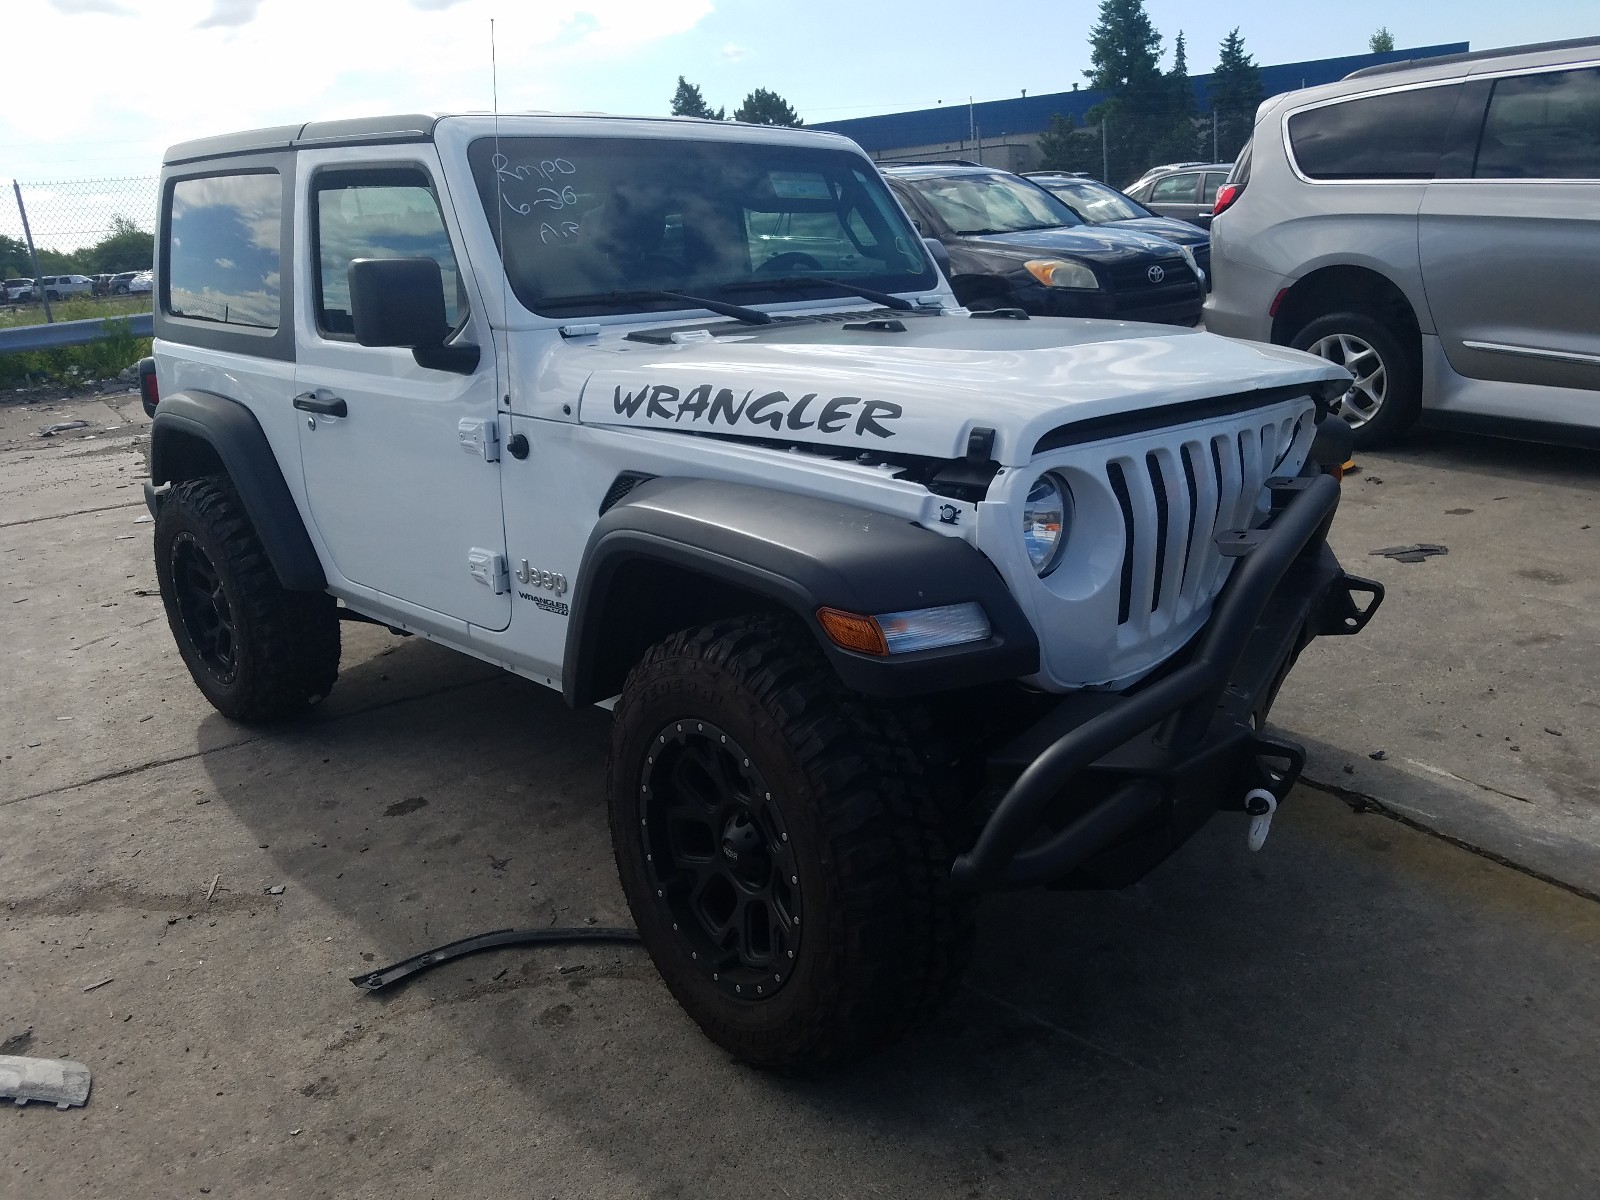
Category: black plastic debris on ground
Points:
column 1411, row 554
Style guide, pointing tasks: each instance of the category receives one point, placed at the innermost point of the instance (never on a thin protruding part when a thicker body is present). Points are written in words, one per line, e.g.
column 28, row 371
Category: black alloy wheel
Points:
column 203, row 608
column 718, row 855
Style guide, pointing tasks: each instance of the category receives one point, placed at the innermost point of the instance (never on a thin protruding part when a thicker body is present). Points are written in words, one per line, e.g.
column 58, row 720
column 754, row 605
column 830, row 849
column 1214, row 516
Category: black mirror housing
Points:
column 940, row 255
column 400, row 302
column 397, row 302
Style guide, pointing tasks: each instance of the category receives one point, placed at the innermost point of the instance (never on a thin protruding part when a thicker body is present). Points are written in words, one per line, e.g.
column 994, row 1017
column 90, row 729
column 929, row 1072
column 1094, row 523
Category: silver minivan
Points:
column 1434, row 226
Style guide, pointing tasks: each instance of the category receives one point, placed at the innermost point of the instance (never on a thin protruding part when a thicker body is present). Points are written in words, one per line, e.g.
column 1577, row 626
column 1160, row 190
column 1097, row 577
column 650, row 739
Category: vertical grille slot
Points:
column 1119, row 487
column 1186, row 457
column 1158, row 487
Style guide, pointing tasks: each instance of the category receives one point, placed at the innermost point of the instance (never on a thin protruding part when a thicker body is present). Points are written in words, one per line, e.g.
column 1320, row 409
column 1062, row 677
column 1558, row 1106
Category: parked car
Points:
column 18, row 290
column 1162, row 169
column 1188, row 194
column 1435, row 228
column 119, row 283
column 140, row 284
column 59, row 287
column 1098, row 203
column 1012, row 244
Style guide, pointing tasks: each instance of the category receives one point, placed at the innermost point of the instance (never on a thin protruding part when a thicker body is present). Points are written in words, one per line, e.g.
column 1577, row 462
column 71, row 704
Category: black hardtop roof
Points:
column 1409, row 64
column 403, row 127
column 414, row 127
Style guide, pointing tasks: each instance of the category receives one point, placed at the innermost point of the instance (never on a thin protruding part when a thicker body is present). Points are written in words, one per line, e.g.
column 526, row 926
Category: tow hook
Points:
column 1260, row 804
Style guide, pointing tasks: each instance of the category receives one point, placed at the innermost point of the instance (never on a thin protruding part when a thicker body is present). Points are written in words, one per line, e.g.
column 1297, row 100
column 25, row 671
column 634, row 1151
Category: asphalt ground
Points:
column 1365, row 1008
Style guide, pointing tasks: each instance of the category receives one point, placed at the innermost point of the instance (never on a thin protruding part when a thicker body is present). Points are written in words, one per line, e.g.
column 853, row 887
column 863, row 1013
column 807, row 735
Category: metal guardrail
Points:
column 69, row 333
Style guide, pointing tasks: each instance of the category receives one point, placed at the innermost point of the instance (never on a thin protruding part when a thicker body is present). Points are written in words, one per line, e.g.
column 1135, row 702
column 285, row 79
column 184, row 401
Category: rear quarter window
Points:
column 1399, row 135
column 223, row 249
column 1544, row 126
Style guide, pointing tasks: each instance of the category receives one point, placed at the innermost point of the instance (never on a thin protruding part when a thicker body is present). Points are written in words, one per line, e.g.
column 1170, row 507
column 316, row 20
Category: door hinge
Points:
column 480, row 437
column 489, row 568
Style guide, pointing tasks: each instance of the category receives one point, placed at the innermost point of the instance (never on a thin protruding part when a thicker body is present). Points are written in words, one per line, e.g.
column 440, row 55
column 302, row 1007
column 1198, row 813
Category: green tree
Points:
column 1178, row 78
column 1066, row 147
column 1235, row 94
column 1143, row 118
column 688, row 102
column 1382, row 41
column 14, row 262
column 762, row 107
column 125, row 248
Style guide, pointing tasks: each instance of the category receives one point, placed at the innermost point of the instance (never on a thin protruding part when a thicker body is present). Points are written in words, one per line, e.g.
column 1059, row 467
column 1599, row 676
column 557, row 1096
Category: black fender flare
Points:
column 797, row 553
column 240, row 445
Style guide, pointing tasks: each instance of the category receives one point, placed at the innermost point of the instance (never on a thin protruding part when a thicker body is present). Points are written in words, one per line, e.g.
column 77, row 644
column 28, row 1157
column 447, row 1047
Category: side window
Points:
column 1395, row 136
column 1542, row 127
column 1213, row 181
column 223, row 249
column 387, row 212
column 1173, row 189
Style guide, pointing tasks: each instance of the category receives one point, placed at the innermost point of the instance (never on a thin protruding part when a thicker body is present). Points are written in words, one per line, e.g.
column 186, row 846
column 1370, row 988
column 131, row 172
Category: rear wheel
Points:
column 256, row 650
column 1386, row 395
column 784, row 853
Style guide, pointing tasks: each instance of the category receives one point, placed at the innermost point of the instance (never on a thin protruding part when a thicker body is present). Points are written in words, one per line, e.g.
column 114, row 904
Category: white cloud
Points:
column 73, row 8
column 230, row 14
column 225, row 263
column 734, row 53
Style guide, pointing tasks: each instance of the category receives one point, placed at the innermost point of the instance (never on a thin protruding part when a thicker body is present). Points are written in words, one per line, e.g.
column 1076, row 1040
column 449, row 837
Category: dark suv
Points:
column 1013, row 244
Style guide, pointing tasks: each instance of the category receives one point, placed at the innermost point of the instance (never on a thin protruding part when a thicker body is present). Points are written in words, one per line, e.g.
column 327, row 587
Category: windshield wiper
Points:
column 750, row 316
column 789, row 283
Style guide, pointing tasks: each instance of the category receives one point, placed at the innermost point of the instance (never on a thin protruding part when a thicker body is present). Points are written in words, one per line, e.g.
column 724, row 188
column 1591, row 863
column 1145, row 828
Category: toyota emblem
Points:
column 1155, row 274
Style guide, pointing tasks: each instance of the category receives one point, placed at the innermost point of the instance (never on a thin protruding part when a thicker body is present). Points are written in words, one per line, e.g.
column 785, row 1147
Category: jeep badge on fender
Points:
column 888, row 599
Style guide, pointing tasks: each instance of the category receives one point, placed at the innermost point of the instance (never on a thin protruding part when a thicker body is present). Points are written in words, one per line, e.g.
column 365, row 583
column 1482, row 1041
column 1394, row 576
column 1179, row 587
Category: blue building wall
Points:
column 1031, row 114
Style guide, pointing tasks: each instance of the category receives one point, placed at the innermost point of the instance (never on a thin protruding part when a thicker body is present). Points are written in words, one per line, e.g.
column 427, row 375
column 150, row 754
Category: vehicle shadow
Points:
column 1501, row 458
column 1359, row 1010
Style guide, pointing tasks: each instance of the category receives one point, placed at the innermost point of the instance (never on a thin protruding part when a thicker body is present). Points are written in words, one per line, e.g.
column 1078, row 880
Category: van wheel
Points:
column 782, row 847
column 257, row 651
column 1386, row 397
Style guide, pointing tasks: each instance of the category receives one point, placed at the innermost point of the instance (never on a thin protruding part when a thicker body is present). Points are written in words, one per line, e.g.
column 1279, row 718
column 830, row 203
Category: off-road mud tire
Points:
column 884, row 937
column 285, row 645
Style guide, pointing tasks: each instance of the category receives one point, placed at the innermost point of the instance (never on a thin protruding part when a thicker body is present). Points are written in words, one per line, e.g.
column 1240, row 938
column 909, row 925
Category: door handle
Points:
column 308, row 402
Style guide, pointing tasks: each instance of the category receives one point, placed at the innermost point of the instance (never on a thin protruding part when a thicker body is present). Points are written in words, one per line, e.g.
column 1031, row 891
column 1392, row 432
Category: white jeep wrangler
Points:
column 895, row 602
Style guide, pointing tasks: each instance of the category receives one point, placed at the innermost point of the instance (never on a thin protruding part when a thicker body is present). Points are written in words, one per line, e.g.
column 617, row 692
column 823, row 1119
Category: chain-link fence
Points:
column 78, row 226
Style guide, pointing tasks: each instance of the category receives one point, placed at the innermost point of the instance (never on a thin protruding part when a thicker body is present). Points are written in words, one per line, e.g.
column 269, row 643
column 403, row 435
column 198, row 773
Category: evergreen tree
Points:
column 1235, row 94
column 762, row 107
column 1125, row 56
column 1178, row 77
column 688, row 102
column 1382, row 41
column 1065, row 147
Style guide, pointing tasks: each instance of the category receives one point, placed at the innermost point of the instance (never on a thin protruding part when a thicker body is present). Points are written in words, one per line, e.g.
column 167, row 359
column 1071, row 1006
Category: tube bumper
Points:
column 1111, row 783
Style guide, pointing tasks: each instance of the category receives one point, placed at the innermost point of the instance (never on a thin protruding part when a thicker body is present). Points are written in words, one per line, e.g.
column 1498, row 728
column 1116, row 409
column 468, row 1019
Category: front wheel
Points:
column 1386, row 395
column 257, row 650
column 782, row 848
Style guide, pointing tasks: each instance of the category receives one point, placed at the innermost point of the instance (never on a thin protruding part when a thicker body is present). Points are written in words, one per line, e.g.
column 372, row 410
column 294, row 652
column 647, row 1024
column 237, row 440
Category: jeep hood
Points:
column 908, row 383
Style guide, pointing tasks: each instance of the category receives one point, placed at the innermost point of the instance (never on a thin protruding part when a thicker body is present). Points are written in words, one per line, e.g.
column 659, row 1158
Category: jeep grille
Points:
column 1174, row 501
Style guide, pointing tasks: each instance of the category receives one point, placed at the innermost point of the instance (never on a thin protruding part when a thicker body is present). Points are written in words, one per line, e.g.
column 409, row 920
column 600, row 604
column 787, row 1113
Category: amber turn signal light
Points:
column 852, row 631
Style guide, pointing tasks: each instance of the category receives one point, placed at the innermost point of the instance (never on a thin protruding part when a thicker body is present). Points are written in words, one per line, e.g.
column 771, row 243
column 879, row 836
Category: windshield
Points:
column 594, row 225
column 1096, row 203
column 993, row 204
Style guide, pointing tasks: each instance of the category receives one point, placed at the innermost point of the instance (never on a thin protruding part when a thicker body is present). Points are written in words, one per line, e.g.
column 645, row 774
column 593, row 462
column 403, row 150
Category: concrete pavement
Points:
column 1361, row 1009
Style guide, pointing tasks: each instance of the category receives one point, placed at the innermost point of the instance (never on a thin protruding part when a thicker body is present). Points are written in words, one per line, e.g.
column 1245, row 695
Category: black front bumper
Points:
column 1110, row 783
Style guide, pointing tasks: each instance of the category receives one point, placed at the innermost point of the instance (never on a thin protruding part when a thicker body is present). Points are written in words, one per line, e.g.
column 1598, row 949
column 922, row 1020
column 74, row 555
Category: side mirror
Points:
column 400, row 302
column 939, row 254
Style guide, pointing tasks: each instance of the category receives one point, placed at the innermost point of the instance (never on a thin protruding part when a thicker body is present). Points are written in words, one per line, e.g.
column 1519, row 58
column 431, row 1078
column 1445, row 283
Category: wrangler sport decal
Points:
column 710, row 406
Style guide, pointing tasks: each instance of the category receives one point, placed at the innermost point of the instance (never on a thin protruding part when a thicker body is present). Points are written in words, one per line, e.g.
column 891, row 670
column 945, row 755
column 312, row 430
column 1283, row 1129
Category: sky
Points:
column 106, row 85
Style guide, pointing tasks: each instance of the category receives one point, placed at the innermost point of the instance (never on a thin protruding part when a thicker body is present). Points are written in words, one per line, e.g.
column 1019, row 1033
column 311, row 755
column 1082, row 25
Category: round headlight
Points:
column 1044, row 522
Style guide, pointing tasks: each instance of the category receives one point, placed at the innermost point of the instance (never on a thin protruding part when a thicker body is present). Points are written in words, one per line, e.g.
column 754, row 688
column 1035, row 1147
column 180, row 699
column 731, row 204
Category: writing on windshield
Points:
column 594, row 225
